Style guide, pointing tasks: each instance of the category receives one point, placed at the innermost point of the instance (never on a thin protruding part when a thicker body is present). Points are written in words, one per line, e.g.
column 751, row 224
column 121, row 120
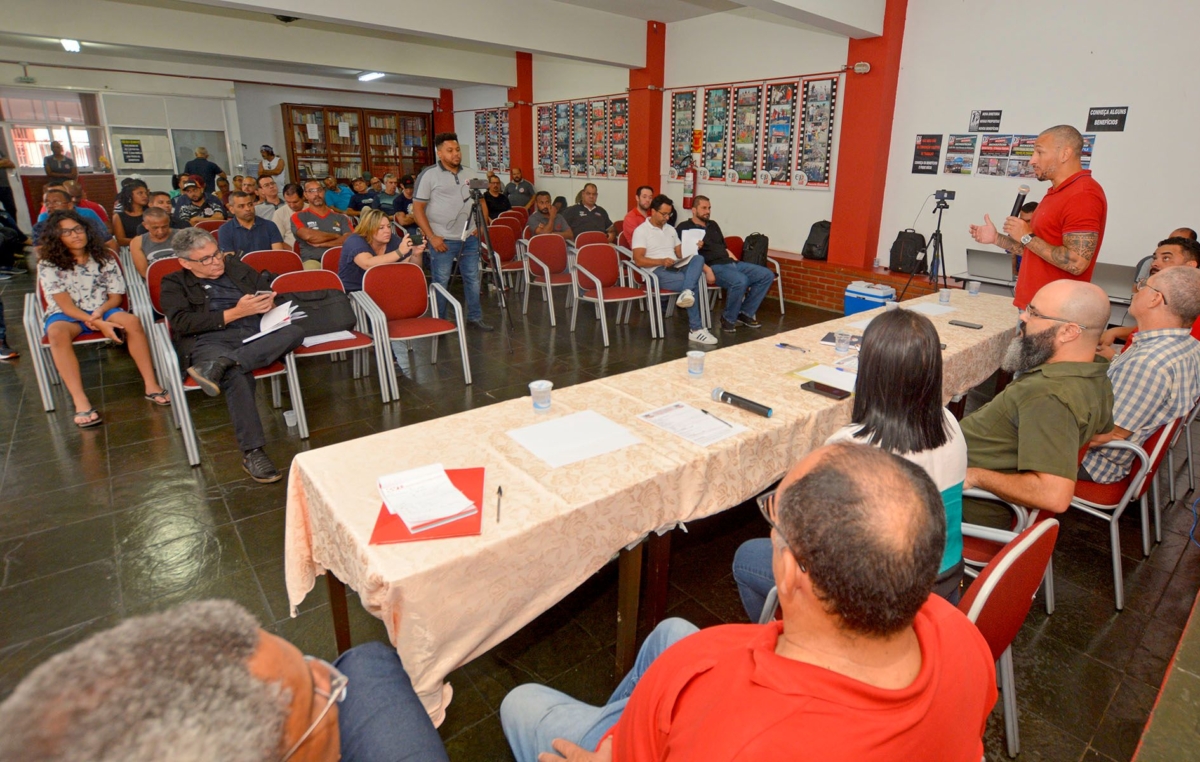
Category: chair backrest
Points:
column 277, row 262
column 551, row 249
column 521, row 212
column 512, row 223
column 331, row 258
column 211, row 226
column 1156, row 447
column 734, row 243
column 599, row 259
column 590, row 237
column 1000, row 598
column 504, row 241
column 159, row 269
column 514, row 214
column 623, row 240
column 306, row 280
column 399, row 289
column 527, row 233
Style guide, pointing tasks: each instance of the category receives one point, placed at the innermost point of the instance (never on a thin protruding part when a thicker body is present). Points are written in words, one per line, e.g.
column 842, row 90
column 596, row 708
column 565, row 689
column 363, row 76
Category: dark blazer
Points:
column 185, row 303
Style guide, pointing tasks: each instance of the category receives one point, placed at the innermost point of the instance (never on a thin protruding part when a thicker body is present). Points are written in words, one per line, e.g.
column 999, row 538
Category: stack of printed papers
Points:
column 424, row 498
column 281, row 316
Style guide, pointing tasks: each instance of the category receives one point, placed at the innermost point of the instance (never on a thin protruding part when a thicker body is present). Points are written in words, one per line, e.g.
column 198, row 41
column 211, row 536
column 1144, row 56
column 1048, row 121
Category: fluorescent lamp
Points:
column 370, row 76
column 71, row 46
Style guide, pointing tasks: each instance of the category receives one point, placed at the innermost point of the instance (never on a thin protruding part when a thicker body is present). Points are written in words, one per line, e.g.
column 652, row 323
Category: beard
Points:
column 1027, row 351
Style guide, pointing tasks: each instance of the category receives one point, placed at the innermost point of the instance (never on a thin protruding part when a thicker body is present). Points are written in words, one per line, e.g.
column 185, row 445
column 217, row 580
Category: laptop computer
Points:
column 994, row 265
column 1116, row 280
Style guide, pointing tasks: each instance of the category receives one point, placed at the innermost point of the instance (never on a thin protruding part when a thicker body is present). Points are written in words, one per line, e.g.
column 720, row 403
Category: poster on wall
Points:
column 716, row 125
column 815, row 147
column 491, row 139
column 503, row 160
column 481, row 138
column 579, row 139
column 926, row 154
column 984, row 121
column 1019, row 155
column 562, row 138
column 598, row 117
column 1085, row 157
column 993, row 155
column 683, row 118
column 618, row 137
column 545, row 139
column 744, row 153
column 1107, row 118
column 960, row 154
column 779, row 134
column 131, row 151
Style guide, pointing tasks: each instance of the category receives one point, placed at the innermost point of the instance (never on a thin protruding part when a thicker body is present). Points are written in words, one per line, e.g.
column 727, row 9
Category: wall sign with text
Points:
column 926, row 154
column 1107, row 118
column 984, row 121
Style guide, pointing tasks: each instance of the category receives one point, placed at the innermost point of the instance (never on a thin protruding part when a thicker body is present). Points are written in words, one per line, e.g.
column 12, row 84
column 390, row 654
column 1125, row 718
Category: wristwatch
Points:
column 1025, row 239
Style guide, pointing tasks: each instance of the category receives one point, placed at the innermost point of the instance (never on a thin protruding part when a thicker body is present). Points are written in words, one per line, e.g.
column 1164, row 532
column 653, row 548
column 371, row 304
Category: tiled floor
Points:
column 100, row 524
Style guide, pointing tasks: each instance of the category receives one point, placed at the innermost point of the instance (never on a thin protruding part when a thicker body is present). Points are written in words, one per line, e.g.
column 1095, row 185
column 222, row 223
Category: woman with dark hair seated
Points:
column 83, row 287
column 897, row 407
column 127, row 213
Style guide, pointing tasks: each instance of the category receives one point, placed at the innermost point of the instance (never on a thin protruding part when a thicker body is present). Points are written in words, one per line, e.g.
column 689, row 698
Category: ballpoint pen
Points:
column 499, row 494
column 710, row 415
column 792, row 347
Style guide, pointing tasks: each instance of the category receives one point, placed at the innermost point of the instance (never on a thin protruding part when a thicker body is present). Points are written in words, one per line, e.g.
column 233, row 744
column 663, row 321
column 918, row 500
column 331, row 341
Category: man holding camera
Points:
column 442, row 208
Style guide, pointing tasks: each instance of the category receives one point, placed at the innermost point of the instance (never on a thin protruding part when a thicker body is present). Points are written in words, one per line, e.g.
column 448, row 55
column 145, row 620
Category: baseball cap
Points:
column 407, row 180
column 188, row 184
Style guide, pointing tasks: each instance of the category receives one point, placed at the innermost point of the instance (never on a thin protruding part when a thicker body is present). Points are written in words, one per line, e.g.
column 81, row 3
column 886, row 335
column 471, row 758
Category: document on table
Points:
column 281, row 316
column 861, row 324
column 693, row 424
column 930, row 309
column 573, row 438
column 824, row 374
column 424, row 497
column 325, row 338
column 689, row 242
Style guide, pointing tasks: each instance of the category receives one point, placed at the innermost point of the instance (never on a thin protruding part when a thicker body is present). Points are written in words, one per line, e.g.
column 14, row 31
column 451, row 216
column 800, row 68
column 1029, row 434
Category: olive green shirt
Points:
column 1038, row 423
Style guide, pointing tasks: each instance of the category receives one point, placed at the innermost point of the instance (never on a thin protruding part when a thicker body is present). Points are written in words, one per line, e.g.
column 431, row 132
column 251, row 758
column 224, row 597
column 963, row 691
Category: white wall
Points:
column 737, row 46
column 1045, row 64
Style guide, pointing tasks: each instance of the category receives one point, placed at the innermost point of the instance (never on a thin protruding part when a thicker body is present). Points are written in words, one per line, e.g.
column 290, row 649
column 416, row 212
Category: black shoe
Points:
column 749, row 321
column 727, row 327
column 480, row 325
column 208, row 374
column 259, row 466
column 7, row 353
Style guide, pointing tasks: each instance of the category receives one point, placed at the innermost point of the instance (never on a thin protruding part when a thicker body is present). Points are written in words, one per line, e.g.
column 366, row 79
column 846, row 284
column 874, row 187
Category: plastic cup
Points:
column 973, row 288
column 695, row 363
column 944, row 295
column 540, row 392
column 841, row 341
column 289, row 417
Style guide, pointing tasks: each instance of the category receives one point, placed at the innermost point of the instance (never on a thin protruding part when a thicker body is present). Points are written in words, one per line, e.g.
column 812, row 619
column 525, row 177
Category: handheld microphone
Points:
column 720, row 395
column 1021, row 193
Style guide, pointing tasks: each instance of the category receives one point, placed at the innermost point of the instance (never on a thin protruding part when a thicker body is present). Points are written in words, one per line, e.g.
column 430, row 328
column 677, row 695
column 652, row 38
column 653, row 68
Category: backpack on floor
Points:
column 817, row 245
column 906, row 249
column 754, row 249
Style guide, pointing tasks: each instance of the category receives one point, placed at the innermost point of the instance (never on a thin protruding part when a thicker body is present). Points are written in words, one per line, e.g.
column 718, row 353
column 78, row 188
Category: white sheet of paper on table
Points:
column 861, row 324
column 424, row 497
column 325, row 338
column 823, row 374
column 573, row 438
column 689, row 242
column 930, row 309
column 691, row 423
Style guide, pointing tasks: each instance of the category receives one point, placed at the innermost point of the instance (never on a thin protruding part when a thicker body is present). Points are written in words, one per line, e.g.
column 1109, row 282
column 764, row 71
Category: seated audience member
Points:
column 1024, row 445
column 389, row 192
column 897, row 407
column 859, row 668
column 363, row 198
column 745, row 284
column 236, row 183
column 640, row 211
column 1183, row 233
column 247, row 231
column 495, row 202
column 404, row 205
column 546, row 219
column 293, row 201
column 337, row 195
column 560, row 204
column 268, row 198
column 376, row 184
column 84, row 289
column 520, row 191
column 1158, row 379
column 56, row 199
column 175, row 181
column 212, row 305
column 223, row 190
column 374, row 243
column 271, row 166
column 79, row 196
column 1145, row 266
column 196, row 206
column 206, row 172
column 203, row 681
column 133, row 200
column 586, row 217
column 656, row 247
column 162, row 200
column 1176, row 251
column 155, row 243
column 249, row 186
column 317, row 227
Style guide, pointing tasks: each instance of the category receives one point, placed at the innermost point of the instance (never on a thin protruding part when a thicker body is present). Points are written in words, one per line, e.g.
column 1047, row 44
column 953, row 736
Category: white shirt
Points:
column 283, row 220
column 659, row 243
column 280, row 180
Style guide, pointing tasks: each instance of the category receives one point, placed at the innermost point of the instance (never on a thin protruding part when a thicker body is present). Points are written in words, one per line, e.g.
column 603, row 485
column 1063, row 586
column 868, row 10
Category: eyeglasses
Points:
column 1032, row 311
column 337, row 692
column 206, row 260
column 766, row 506
column 667, row 213
column 72, row 231
column 1145, row 283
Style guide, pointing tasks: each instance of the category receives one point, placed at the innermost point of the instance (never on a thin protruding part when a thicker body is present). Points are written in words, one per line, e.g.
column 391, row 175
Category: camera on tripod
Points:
column 477, row 186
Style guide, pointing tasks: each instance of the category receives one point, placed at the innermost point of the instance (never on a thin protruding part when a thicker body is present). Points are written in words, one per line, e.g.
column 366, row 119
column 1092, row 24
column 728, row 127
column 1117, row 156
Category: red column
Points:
column 869, row 103
column 520, row 117
column 443, row 112
column 645, row 113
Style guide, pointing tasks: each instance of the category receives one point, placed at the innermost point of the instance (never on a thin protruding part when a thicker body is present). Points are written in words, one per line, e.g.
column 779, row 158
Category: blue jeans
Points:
column 745, row 287
column 533, row 715
column 440, row 264
column 381, row 719
column 753, row 574
column 687, row 278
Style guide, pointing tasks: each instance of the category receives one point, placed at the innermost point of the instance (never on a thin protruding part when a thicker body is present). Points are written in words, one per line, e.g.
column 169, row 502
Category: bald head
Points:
column 1084, row 304
column 1066, row 136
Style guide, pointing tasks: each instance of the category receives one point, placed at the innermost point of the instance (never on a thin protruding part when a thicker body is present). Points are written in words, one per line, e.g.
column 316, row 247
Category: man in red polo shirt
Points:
column 639, row 213
column 863, row 665
column 1068, row 226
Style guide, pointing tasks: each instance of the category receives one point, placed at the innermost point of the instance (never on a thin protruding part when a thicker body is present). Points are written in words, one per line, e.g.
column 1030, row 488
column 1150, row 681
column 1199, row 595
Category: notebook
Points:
column 389, row 528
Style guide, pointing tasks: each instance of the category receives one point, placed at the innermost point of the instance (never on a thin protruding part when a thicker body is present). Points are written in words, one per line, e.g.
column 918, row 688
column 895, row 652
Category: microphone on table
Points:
column 720, row 395
column 1021, row 193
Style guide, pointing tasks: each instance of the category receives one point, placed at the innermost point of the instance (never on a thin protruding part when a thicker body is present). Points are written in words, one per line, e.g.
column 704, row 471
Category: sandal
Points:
column 162, row 399
column 87, row 421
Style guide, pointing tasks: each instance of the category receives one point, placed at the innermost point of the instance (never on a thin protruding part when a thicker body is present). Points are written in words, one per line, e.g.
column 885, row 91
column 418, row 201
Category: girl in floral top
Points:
column 84, row 289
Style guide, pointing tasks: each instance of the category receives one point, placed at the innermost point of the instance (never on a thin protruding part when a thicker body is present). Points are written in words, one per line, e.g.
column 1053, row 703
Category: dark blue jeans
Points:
column 442, row 262
column 745, row 287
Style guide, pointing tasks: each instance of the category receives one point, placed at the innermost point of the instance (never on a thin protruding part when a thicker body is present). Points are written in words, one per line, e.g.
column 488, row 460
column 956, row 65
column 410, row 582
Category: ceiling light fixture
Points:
column 71, row 46
column 370, row 76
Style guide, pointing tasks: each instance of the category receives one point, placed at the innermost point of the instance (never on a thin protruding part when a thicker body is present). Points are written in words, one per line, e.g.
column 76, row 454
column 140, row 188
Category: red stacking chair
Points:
column 590, row 237
column 735, row 243
column 504, row 241
column 211, row 226
column 546, row 266
column 597, row 279
column 331, row 258
column 274, row 261
column 521, row 212
column 518, row 216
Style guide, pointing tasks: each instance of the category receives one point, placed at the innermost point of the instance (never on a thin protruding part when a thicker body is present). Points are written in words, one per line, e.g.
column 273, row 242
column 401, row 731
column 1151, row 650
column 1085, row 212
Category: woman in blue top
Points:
column 373, row 243
column 897, row 406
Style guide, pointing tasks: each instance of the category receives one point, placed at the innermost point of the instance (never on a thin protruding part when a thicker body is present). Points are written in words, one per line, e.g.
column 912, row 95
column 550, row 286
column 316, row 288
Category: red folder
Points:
column 390, row 528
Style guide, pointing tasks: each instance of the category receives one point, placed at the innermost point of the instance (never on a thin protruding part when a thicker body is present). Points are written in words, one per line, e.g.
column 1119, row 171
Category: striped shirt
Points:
column 1155, row 382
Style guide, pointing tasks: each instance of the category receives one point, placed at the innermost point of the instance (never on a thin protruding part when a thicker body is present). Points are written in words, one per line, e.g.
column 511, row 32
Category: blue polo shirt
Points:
column 232, row 236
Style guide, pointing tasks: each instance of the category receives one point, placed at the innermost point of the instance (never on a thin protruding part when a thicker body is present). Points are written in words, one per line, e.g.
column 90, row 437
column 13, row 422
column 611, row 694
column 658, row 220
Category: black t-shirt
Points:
column 368, row 200
column 582, row 220
column 496, row 204
column 206, row 170
column 223, row 294
column 712, row 248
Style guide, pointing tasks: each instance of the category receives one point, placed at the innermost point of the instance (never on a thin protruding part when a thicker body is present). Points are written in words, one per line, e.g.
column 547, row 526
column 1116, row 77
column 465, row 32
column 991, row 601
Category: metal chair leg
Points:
column 1114, row 539
column 1008, row 689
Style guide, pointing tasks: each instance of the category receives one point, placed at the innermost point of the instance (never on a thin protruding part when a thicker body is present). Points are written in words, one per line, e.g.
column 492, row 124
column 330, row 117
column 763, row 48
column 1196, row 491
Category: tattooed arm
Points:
column 1074, row 255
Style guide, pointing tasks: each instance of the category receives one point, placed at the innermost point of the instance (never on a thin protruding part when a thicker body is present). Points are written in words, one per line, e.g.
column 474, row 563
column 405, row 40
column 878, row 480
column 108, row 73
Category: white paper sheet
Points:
column 280, row 316
column 343, row 129
column 325, row 338
column 689, row 242
column 861, row 324
column 573, row 438
column 693, row 424
column 823, row 374
column 931, row 309
column 314, row 131
column 424, row 497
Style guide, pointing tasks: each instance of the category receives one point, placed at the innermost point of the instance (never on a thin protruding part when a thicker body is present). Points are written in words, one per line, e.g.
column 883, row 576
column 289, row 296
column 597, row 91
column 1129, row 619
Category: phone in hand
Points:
column 825, row 390
column 268, row 292
column 416, row 238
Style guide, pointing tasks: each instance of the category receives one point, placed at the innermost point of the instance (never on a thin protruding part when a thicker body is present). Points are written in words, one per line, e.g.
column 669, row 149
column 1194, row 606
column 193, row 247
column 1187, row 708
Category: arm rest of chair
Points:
column 439, row 288
column 775, row 264
column 581, row 270
column 1001, row 536
column 1022, row 513
column 545, row 270
column 370, row 309
column 1143, row 458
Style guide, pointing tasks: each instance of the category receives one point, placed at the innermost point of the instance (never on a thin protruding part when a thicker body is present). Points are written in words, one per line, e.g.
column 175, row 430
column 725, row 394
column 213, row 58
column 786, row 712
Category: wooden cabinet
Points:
column 348, row 143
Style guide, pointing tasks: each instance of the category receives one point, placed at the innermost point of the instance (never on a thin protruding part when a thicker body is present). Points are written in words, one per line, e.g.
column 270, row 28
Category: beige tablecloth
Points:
column 445, row 602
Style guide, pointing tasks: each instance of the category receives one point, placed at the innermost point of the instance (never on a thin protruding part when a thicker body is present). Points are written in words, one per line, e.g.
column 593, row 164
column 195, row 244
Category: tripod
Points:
column 485, row 239
column 933, row 252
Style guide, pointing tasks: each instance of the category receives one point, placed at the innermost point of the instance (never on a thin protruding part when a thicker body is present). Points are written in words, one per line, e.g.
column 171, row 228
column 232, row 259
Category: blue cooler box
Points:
column 862, row 296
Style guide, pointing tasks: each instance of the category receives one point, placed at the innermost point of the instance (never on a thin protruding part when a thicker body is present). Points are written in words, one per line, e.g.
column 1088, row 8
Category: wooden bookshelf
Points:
column 348, row 142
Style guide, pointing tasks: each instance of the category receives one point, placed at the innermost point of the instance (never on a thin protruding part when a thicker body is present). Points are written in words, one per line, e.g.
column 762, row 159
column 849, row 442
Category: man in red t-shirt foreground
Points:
column 1064, row 238
column 863, row 665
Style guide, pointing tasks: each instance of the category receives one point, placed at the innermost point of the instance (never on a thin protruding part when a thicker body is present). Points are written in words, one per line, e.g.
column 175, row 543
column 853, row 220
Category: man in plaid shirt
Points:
column 1158, row 379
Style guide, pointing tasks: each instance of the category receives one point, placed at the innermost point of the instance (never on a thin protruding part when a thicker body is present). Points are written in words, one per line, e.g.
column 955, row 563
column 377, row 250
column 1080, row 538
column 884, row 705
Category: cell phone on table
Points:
column 965, row 324
column 416, row 238
column 825, row 390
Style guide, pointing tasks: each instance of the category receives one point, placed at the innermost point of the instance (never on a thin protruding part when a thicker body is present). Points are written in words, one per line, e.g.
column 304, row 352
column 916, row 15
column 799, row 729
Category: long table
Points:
column 446, row 602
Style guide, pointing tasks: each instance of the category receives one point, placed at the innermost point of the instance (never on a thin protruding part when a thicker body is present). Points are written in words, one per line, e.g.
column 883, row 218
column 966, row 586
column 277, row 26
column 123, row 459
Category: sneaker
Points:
column 7, row 353
column 727, row 327
column 749, row 321
column 685, row 299
column 701, row 336
column 480, row 325
column 259, row 466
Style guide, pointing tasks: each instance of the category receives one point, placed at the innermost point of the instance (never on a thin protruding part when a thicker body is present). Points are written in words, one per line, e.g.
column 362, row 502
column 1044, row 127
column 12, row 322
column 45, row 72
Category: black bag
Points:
column 327, row 310
column 817, row 245
column 754, row 249
column 906, row 249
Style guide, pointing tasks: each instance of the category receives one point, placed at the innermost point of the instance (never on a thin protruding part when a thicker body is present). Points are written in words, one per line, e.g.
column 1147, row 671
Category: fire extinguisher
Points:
column 692, row 174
